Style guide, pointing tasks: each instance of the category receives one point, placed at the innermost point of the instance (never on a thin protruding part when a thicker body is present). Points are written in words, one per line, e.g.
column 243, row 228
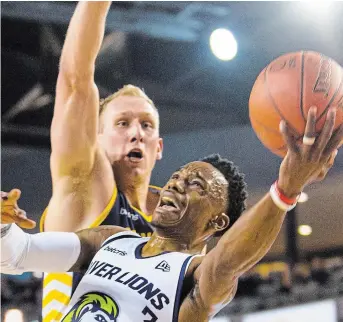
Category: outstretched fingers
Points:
column 310, row 133
column 325, row 136
column 288, row 137
column 335, row 142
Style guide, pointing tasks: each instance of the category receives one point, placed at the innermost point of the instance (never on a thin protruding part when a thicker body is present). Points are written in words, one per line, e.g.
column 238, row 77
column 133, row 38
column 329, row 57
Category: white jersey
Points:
column 120, row 285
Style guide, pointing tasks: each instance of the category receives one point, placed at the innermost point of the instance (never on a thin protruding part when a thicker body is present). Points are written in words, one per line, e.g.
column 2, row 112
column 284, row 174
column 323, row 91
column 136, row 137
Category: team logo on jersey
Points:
column 93, row 307
column 163, row 266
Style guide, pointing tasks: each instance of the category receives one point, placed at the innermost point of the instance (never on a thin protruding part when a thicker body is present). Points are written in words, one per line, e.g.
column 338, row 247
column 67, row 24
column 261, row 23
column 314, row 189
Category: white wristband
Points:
column 278, row 202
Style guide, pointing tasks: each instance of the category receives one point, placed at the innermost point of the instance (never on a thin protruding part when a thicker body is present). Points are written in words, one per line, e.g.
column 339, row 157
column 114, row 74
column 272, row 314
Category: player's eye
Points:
column 196, row 183
column 175, row 176
column 122, row 123
column 147, row 125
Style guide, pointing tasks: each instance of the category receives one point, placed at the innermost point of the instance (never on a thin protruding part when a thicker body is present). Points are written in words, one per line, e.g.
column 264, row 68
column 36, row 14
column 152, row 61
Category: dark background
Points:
column 203, row 102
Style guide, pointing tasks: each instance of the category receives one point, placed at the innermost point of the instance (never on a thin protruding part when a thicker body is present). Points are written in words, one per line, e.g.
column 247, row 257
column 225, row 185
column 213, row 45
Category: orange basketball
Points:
column 287, row 88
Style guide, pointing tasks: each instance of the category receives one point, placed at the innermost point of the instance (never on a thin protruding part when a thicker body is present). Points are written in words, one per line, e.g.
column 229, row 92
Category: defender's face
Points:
column 130, row 135
column 191, row 198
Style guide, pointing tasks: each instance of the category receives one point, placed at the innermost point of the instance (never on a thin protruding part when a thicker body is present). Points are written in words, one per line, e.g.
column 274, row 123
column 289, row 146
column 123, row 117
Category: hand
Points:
column 10, row 211
column 306, row 163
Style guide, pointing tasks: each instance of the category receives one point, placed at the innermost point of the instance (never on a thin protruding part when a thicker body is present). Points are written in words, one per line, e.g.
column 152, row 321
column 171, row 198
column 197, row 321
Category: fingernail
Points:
column 314, row 109
column 281, row 125
column 335, row 153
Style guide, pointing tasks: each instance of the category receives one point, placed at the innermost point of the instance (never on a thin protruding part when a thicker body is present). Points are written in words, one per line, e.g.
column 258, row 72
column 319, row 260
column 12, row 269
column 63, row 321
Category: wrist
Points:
column 287, row 189
column 281, row 200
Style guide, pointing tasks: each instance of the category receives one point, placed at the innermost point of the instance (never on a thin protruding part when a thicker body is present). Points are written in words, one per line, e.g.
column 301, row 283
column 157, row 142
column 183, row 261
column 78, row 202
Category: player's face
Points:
column 130, row 135
column 193, row 197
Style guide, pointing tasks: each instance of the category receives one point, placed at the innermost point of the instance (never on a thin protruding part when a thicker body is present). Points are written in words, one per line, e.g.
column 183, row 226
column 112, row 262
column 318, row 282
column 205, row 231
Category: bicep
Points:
column 80, row 198
column 74, row 126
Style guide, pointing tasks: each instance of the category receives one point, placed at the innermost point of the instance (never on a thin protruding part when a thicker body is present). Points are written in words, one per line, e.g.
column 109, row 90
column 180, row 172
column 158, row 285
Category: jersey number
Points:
column 147, row 311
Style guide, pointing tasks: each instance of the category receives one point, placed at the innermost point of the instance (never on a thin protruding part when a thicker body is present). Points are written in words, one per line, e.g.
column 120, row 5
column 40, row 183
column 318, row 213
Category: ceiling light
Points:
column 223, row 44
column 304, row 230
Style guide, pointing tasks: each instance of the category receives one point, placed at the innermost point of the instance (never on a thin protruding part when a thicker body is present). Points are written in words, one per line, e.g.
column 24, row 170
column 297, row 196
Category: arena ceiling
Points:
column 163, row 48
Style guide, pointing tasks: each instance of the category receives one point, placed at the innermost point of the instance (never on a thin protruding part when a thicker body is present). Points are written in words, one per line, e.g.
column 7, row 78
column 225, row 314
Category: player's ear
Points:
column 159, row 149
column 220, row 222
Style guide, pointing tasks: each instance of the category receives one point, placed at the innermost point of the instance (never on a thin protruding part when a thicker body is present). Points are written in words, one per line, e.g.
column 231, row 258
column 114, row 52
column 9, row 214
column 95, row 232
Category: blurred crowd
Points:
column 276, row 284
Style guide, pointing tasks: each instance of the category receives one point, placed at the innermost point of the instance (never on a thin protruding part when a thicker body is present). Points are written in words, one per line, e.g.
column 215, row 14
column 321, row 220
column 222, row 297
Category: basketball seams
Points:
column 265, row 79
column 267, row 129
column 302, row 73
column 267, row 101
column 332, row 98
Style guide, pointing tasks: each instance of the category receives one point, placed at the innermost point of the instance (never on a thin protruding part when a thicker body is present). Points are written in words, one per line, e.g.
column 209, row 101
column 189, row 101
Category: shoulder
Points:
column 99, row 234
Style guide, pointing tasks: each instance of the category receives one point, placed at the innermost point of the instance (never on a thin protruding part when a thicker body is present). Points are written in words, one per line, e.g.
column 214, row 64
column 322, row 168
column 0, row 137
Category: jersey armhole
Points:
column 97, row 221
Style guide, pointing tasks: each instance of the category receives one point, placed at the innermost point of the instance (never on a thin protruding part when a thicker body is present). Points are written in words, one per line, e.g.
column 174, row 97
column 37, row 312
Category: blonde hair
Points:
column 127, row 90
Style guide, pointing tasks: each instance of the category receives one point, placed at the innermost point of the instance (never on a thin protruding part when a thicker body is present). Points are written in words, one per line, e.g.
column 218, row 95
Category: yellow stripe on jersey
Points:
column 57, row 287
column 107, row 210
column 57, row 296
column 53, row 316
column 64, row 278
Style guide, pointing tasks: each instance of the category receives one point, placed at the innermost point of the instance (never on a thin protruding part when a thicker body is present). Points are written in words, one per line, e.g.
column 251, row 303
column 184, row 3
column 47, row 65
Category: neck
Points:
column 136, row 192
column 158, row 244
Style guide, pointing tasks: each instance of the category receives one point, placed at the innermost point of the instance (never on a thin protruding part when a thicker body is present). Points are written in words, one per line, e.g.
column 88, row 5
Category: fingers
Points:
column 325, row 135
column 27, row 223
column 14, row 194
column 10, row 197
column 326, row 167
column 310, row 129
column 4, row 196
column 20, row 219
column 334, row 143
column 288, row 137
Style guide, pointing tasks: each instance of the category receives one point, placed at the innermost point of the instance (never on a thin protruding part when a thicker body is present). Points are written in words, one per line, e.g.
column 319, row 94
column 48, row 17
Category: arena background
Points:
column 203, row 102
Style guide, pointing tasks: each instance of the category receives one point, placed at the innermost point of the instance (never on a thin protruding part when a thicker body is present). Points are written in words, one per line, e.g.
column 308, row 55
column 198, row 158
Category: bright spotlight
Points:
column 14, row 315
column 304, row 230
column 223, row 44
column 316, row 5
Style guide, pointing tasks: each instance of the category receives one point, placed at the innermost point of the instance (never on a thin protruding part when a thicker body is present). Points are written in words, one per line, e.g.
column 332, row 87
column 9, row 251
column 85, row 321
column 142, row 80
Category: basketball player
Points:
column 102, row 158
column 129, row 278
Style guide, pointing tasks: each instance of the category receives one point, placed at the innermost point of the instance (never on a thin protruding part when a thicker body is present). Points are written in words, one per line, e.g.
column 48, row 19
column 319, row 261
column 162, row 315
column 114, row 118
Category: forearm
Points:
column 44, row 252
column 250, row 238
column 84, row 37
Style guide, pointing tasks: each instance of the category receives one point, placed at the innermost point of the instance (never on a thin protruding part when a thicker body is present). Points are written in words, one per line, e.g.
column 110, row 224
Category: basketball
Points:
column 287, row 88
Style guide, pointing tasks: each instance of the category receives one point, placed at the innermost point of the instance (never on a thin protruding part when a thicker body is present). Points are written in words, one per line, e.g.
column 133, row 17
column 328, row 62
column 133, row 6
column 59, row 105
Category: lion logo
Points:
column 93, row 307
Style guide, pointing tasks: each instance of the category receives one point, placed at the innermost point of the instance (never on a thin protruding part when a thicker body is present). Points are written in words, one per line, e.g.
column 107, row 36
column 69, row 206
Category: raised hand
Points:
column 10, row 211
column 311, row 160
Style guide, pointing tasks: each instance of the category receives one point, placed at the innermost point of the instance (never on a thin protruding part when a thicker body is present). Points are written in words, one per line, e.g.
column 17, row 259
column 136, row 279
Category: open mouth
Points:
column 135, row 155
column 168, row 204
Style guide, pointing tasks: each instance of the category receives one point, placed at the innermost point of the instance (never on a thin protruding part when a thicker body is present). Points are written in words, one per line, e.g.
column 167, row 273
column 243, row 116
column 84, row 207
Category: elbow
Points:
column 75, row 77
